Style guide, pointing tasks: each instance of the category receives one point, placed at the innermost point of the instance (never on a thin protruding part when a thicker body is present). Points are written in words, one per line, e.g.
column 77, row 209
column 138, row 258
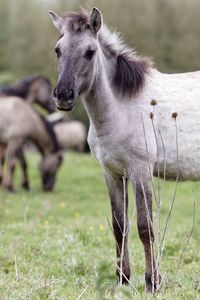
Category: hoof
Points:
column 26, row 186
column 152, row 287
column 9, row 188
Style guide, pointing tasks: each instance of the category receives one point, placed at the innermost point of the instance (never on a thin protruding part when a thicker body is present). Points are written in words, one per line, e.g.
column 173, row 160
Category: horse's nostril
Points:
column 55, row 93
column 70, row 94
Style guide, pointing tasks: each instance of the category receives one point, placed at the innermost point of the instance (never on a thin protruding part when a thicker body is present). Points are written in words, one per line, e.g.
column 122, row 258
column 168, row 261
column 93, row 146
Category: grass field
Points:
column 59, row 245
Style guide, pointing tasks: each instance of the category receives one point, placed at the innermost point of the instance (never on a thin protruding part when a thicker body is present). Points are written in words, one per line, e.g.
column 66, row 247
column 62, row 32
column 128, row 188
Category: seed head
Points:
column 174, row 115
column 154, row 102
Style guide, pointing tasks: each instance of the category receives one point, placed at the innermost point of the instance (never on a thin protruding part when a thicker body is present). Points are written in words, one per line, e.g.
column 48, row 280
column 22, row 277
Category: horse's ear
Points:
column 95, row 20
column 57, row 21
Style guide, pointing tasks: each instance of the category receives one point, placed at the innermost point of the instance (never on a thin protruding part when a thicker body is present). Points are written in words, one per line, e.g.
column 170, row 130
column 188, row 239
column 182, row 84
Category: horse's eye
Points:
column 89, row 54
column 58, row 52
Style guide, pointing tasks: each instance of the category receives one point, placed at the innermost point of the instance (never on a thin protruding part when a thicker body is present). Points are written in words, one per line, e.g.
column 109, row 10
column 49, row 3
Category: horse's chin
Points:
column 65, row 108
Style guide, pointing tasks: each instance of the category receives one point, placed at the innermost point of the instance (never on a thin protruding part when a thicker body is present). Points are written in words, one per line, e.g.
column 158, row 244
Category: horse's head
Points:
column 76, row 52
column 40, row 92
column 48, row 168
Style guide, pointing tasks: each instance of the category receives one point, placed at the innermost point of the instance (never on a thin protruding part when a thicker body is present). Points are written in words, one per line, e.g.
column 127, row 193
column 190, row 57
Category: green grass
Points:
column 54, row 245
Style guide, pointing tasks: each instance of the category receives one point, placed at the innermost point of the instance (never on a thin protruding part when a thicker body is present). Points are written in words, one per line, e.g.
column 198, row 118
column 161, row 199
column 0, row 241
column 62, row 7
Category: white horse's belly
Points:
column 179, row 93
column 184, row 150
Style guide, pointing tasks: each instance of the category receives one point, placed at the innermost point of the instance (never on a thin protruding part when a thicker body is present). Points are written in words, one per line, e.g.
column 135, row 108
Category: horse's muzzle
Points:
column 64, row 100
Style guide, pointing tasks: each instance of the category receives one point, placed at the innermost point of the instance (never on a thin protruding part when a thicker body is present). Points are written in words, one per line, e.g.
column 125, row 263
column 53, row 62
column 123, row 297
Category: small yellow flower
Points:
column 62, row 204
column 77, row 215
column 46, row 222
column 101, row 227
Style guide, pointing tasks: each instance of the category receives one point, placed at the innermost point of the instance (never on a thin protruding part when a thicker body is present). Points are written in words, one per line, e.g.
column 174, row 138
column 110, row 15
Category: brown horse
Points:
column 15, row 131
column 33, row 89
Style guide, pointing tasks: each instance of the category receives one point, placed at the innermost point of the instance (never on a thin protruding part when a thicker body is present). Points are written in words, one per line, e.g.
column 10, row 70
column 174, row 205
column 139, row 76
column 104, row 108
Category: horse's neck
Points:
column 100, row 104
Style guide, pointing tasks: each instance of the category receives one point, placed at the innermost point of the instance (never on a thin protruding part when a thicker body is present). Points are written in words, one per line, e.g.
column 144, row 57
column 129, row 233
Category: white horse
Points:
column 128, row 135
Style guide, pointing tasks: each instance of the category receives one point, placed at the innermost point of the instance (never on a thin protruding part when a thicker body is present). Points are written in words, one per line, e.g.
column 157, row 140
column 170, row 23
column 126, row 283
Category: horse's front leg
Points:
column 23, row 164
column 119, row 207
column 142, row 184
column 7, row 181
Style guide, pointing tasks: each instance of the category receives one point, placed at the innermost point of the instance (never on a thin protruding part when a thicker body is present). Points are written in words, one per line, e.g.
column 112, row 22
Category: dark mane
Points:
column 77, row 22
column 130, row 73
column 21, row 87
column 51, row 133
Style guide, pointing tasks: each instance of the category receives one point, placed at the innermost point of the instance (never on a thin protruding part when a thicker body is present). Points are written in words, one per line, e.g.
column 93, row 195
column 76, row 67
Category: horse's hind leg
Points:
column 143, row 194
column 23, row 164
column 7, row 181
column 120, row 224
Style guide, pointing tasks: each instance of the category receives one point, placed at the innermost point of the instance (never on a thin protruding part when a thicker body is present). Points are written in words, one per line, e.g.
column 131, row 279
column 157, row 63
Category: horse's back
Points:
column 16, row 118
column 8, row 91
column 71, row 135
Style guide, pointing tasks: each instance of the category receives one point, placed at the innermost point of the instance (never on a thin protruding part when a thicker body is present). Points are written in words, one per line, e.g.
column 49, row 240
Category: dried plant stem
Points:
column 44, row 286
column 149, row 220
column 157, row 265
column 16, row 269
column 118, row 223
column 130, row 222
column 175, row 191
column 118, row 268
column 147, row 152
column 113, row 233
column 164, row 155
column 82, row 293
column 187, row 241
column 124, row 229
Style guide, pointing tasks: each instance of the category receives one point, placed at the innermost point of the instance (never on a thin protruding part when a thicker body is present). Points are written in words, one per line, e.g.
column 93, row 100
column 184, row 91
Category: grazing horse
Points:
column 128, row 136
column 33, row 89
column 19, row 123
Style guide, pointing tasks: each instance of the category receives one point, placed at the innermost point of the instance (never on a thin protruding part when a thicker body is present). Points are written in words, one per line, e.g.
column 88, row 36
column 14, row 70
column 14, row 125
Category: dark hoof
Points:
column 1, row 179
column 26, row 186
column 9, row 188
column 153, row 285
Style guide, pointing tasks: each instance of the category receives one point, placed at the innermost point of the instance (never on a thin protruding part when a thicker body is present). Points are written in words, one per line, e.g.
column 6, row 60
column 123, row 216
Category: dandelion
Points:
column 77, row 215
column 46, row 222
column 101, row 227
column 62, row 204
